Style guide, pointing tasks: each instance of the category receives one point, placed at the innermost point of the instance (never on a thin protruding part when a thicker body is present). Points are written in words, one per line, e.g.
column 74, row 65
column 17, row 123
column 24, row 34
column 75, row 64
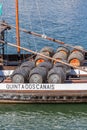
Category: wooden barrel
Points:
column 62, row 53
column 49, row 50
column 47, row 65
column 64, row 50
column 65, row 68
column 60, row 56
column 76, row 58
column 30, row 64
column 56, row 75
column 20, row 75
column 39, row 59
column 78, row 48
column 38, row 75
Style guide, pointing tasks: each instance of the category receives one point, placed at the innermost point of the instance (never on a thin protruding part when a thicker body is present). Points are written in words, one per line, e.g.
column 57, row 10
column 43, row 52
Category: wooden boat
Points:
column 72, row 90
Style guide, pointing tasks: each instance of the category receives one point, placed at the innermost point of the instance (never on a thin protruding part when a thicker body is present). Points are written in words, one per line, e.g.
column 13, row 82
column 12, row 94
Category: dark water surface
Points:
column 65, row 20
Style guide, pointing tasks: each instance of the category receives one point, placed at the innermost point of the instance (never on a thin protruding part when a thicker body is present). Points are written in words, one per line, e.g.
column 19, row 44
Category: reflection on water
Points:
column 43, row 116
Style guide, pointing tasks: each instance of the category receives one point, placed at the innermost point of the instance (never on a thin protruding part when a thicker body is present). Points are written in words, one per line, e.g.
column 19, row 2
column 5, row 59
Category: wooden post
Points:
column 17, row 26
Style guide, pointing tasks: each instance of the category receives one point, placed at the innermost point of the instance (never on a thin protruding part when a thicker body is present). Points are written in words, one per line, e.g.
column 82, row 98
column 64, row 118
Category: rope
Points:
column 53, row 59
column 45, row 37
column 37, row 4
column 33, row 37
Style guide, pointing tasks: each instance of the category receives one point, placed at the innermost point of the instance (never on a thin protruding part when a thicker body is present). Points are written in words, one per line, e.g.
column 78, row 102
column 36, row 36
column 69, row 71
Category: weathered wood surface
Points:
column 27, row 98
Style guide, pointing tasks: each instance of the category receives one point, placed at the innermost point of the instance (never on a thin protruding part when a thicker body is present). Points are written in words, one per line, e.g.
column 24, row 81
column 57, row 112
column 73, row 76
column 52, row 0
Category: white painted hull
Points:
column 47, row 87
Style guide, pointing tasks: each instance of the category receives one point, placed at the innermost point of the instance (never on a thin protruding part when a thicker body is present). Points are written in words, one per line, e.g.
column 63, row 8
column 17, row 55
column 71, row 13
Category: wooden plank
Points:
column 45, row 93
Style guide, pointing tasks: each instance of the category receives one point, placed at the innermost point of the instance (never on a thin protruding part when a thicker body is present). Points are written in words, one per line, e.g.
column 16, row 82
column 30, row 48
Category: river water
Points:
column 43, row 117
column 65, row 20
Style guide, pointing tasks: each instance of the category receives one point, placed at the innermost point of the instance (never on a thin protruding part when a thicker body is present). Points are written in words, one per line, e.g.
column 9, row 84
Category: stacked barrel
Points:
column 58, row 73
column 62, row 53
column 76, row 58
column 43, row 65
column 21, row 74
column 44, row 70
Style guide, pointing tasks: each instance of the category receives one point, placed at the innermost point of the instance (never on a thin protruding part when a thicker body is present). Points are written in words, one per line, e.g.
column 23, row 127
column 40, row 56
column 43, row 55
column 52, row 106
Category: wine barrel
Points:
column 76, row 58
column 56, row 75
column 20, row 75
column 62, row 53
column 78, row 48
column 30, row 64
column 38, row 75
column 47, row 65
column 50, row 50
column 60, row 56
column 39, row 59
column 63, row 50
column 66, row 68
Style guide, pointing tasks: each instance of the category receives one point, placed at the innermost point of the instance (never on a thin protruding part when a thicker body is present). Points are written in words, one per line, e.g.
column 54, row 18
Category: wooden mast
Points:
column 17, row 26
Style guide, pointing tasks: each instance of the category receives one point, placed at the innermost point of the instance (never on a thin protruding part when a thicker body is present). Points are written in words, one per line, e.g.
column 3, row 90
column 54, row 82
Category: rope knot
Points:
column 44, row 36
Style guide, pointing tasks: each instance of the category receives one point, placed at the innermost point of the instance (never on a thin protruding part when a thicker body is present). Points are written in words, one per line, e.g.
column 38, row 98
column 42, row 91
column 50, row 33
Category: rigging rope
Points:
column 38, row 8
column 45, row 37
column 35, row 43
